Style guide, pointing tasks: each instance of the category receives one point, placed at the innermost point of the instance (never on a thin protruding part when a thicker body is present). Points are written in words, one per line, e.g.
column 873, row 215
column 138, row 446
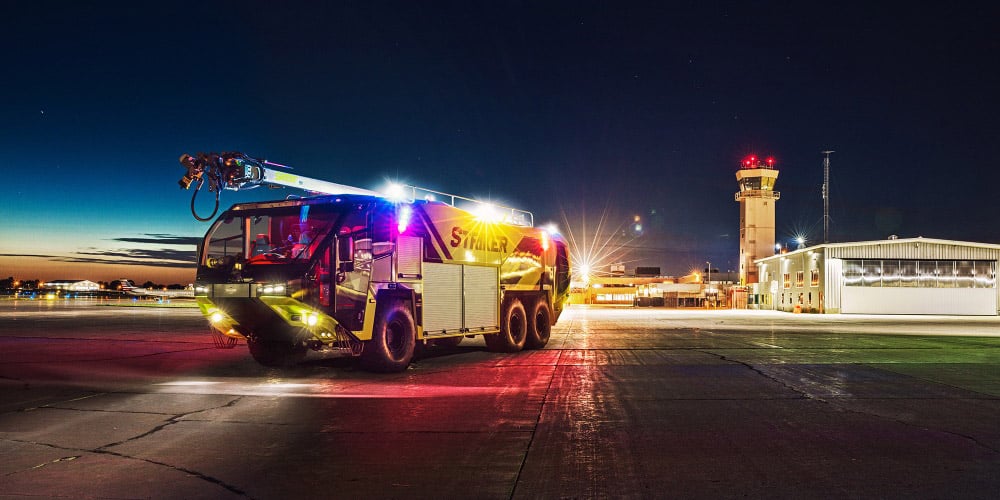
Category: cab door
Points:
column 353, row 252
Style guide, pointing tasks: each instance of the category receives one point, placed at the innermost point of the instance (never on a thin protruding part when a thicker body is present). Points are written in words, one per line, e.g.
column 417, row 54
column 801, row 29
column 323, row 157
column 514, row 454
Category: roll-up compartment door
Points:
column 482, row 289
column 442, row 297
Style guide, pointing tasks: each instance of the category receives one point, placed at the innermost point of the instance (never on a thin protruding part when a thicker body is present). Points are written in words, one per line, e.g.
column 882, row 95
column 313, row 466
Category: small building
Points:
column 613, row 290
column 71, row 285
column 896, row 276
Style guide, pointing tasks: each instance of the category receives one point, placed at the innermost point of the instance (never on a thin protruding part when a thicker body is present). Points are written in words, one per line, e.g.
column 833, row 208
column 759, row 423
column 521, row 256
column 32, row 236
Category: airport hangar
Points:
column 895, row 276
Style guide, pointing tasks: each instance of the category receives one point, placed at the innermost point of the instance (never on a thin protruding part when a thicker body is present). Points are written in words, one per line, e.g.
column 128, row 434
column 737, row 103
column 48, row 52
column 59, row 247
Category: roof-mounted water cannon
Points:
column 235, row 171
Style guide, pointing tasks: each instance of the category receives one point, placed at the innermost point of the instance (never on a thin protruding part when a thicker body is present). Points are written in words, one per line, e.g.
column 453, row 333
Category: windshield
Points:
column 267, row 236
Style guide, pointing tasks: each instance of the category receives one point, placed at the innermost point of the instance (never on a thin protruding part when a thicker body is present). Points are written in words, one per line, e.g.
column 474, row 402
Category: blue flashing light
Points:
column 403, row 219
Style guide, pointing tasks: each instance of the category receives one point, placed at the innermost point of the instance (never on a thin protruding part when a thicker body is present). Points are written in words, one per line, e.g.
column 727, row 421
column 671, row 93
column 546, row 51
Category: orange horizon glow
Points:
column 30, row 268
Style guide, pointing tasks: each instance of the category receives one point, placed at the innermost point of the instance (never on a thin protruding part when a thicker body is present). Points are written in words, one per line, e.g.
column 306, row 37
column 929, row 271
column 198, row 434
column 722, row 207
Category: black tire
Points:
column 394, row 339
column 276, row 354
column 447, row 342
column 539, row 325
column 513, row 329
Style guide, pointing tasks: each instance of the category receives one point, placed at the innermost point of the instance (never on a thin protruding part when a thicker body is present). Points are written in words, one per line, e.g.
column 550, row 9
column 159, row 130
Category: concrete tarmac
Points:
column 104, row 400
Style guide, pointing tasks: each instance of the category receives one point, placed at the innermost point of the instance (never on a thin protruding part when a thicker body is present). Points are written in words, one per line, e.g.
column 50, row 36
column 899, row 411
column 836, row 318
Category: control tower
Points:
column 757, row 198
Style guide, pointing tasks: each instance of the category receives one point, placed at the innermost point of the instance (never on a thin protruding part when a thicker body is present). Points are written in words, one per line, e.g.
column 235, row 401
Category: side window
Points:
column 226, row 240
column 562, row 268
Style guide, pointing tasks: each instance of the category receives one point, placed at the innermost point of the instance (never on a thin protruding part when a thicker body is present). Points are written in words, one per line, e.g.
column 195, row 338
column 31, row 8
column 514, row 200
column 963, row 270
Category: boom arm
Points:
column 235, row 171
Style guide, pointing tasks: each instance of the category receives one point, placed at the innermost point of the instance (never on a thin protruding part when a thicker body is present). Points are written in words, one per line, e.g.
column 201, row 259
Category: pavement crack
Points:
column 204, row 477
column 834, row 404
column 796, row 390
column 174, row 419
column 534, row 428
column 62, row 459
column 101, row 451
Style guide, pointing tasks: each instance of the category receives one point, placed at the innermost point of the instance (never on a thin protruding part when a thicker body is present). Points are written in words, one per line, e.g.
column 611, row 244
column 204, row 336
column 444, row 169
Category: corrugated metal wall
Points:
column 834, row 283
column 909, row 249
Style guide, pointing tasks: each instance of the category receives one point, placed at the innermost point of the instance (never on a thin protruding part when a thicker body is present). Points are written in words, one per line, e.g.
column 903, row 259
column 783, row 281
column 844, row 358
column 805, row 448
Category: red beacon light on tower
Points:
column 753, row 162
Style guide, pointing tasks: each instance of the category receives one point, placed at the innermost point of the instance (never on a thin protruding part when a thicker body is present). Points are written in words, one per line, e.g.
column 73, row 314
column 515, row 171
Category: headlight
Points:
column 217, row 317
column 312, row 319
column 272, row 289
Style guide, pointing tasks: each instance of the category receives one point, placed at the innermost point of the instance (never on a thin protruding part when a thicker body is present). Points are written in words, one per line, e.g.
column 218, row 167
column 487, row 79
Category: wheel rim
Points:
column 516, row 326
column 541, row 324
column 395, row 338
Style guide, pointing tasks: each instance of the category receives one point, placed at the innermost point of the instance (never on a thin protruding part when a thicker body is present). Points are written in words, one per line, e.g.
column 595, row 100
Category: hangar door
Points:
column 889, row 286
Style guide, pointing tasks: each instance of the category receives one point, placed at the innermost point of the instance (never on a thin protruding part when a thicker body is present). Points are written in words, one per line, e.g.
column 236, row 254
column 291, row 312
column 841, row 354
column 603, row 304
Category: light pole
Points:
column 708, row 278
column 826, row 196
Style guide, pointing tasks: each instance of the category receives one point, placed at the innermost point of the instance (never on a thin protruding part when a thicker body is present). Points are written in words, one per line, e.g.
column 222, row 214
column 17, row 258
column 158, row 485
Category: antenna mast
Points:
column 826, row 196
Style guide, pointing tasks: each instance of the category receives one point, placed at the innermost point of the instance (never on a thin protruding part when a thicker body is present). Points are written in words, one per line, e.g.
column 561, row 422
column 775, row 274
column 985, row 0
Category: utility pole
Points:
column 826, row 196
column 708, row 281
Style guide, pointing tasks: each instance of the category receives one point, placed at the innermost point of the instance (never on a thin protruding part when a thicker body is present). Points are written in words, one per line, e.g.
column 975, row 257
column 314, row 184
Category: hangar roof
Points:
column 903, row 248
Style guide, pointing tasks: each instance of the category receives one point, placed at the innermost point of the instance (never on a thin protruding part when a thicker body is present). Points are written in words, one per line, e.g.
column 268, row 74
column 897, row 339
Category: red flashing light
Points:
column 753, row 162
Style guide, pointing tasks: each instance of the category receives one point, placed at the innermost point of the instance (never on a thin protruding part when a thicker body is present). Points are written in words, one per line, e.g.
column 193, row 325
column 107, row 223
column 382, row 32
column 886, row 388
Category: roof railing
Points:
column 497, row 213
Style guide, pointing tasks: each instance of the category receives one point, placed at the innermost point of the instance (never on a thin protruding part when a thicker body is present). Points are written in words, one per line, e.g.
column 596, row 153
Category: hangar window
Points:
column 786, row 280
column 799, row 278
column 926, row 273
column 890, row 273
column 920, row 273
column 852, row 272
column 814, row 277
column 945, row 274
column 965, row 274
column 908, row 273
column 985, row 274
column 872, row 273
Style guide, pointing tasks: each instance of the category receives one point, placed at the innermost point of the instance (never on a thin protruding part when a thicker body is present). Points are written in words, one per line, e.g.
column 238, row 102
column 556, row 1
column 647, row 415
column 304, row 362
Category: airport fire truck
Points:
column 368, row 274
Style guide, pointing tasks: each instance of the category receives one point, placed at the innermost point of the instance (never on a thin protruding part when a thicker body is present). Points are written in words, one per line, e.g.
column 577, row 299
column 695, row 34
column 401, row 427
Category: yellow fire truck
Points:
column 367, row 274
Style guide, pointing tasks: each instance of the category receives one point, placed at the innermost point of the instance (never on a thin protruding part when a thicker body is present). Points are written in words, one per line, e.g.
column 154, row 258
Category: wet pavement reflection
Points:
column 99, row 400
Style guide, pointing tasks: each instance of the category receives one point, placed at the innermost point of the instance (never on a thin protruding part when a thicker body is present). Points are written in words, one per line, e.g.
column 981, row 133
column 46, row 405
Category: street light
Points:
column 708, row 278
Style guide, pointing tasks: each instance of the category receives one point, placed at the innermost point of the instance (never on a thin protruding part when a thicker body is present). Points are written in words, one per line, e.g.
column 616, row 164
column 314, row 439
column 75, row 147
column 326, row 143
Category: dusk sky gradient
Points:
column 571, row 110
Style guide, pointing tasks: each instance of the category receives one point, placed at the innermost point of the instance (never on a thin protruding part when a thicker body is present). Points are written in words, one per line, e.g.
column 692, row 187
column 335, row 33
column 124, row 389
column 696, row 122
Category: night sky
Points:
column 577, row 111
